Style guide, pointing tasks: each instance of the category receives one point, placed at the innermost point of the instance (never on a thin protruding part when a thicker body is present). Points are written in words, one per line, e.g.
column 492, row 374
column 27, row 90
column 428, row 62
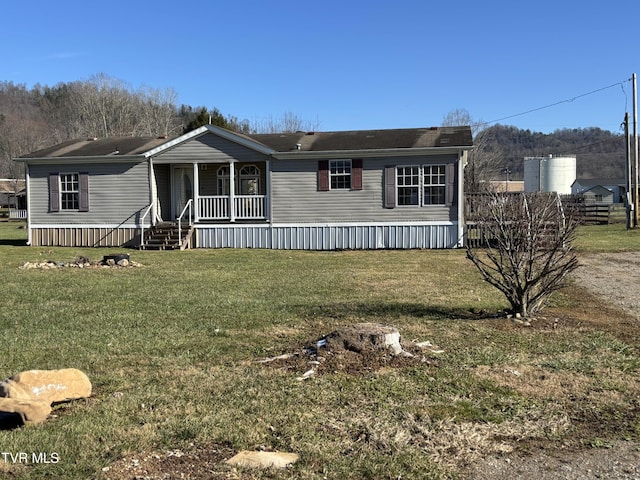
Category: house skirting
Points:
column 336, row 236
column 84, row 236
column 330, row 236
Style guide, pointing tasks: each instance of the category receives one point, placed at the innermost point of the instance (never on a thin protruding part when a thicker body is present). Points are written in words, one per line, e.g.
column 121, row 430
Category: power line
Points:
column 568, row 100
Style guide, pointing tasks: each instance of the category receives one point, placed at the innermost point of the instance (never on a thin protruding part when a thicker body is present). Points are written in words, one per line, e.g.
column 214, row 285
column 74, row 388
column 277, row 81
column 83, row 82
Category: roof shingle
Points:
column 367, row 139
column 99, row 147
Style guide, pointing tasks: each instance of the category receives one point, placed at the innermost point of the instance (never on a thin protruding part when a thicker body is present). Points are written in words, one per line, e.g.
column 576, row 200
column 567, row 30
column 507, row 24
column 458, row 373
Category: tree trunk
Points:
column 366, row 337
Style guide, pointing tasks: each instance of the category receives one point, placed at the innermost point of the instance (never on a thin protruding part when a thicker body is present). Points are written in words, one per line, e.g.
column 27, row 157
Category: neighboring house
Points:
column 12, row 193
column 315, row 190
column 598, row 194
column 13, row 197
column 600, row 190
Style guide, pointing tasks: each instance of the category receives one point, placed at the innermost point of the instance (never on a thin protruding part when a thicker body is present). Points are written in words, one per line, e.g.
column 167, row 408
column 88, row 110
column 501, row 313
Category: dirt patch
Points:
column 195, row 464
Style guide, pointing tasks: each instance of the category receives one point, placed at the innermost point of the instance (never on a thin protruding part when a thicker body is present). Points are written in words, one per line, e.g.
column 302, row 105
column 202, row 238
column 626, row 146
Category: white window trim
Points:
column 238, row 177
column 336, row 175
column 421, row 185
column 249, row 176
column 221, row 178
column 61, row 192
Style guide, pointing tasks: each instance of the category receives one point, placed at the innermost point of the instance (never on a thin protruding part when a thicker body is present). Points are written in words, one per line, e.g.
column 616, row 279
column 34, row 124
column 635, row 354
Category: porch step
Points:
column 165, row 236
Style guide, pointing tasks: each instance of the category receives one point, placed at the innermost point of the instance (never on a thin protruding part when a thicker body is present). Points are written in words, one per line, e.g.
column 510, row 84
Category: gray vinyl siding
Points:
column 210, row 148
column 207, row 179
column 118, row 193
column 296, row 199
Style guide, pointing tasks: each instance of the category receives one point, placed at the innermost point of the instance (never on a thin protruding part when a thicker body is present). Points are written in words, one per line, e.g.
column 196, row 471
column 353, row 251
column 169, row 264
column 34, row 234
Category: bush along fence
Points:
column 581, row 210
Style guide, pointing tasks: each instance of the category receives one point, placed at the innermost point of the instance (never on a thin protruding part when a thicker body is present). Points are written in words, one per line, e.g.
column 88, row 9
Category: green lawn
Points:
column 171, row 349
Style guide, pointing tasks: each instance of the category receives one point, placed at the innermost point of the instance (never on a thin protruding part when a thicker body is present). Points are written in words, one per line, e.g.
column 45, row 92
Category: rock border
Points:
column 84, row 262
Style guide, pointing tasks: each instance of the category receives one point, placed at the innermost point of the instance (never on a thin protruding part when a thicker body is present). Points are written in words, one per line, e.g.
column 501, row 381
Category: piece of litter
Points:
column 307, row 374
column 279, row 357
column 427, row 345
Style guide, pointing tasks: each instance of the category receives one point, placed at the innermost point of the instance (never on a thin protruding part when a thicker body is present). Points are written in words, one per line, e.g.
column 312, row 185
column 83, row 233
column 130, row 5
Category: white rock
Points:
column 263, row 459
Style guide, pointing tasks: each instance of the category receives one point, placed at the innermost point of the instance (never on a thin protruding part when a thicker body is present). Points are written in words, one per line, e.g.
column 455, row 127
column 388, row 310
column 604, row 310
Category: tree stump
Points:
column 364, row 337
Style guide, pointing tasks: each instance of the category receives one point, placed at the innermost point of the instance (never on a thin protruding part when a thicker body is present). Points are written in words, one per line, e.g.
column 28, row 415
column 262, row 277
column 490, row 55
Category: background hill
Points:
column 599, row 153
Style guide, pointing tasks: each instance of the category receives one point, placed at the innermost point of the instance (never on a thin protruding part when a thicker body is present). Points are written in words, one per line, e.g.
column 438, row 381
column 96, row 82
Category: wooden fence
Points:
column 588, row 212
column 574, row 205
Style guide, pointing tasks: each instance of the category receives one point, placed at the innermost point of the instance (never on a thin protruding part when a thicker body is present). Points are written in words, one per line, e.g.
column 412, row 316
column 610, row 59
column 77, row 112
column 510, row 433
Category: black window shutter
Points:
column 356, row 174
column 323, row 175
column 83, row 179
column 390, row 187
column 450, row 179
column 54, row 192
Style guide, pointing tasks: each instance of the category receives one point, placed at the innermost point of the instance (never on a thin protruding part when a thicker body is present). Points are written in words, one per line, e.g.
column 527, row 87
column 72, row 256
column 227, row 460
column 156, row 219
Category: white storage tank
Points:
column 549, row 173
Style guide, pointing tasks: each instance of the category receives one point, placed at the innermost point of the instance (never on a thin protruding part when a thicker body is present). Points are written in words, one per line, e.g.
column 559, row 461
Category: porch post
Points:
column 462, row 162
column 153, row 193
column 267, row 200
column 196, row 192
column 232, row 192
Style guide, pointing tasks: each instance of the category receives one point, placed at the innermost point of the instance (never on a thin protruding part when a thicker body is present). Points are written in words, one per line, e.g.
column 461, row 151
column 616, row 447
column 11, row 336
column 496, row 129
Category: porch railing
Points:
column 186, row 214
column 142, row 219
column 249, row 206
column 213, row 207
column 17, row 214
column 217, row 207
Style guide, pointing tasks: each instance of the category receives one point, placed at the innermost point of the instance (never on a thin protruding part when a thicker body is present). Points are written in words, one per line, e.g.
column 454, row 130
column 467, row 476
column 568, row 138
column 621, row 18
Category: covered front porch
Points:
column 211, row 192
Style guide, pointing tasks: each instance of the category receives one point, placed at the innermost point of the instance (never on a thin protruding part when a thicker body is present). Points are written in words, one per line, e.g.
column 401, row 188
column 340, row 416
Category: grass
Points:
column 171, row 347
column 609, row 238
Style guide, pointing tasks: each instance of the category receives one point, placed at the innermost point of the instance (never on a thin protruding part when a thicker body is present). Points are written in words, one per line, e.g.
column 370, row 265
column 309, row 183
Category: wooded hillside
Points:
column 31, row 119
column 599, row 153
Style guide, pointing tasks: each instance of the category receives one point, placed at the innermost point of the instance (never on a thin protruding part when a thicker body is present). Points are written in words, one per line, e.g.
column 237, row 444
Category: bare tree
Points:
column 157, row 113
column 529, row 252
column 289, row 122
column 484, row 158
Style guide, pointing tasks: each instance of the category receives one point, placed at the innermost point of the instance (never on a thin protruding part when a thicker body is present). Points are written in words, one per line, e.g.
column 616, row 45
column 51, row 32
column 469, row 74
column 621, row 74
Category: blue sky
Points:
column 347, row 65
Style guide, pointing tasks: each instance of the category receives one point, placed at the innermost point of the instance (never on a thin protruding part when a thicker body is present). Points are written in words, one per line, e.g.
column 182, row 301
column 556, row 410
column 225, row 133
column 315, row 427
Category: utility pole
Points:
column 627, row 196
column 506, row 171
column 635, row 149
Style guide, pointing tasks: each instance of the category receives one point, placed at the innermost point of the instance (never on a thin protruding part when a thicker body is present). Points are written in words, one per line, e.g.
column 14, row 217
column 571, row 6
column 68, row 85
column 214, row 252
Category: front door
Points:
column 182, row 189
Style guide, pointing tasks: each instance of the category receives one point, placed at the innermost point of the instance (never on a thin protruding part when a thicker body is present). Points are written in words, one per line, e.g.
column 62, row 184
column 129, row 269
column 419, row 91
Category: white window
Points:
column 408, row 184
column 434, row 185
column 340, row 174
column 421, row 185
column 223, row 180
column 249, row 180
column 69, row 191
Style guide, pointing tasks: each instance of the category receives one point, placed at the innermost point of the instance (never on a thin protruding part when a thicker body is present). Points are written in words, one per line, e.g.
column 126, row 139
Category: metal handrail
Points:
column 188, row 206
column 144, row 215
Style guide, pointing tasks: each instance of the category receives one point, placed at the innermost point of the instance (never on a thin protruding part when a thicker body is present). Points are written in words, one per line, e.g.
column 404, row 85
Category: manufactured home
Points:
column 214, row 188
